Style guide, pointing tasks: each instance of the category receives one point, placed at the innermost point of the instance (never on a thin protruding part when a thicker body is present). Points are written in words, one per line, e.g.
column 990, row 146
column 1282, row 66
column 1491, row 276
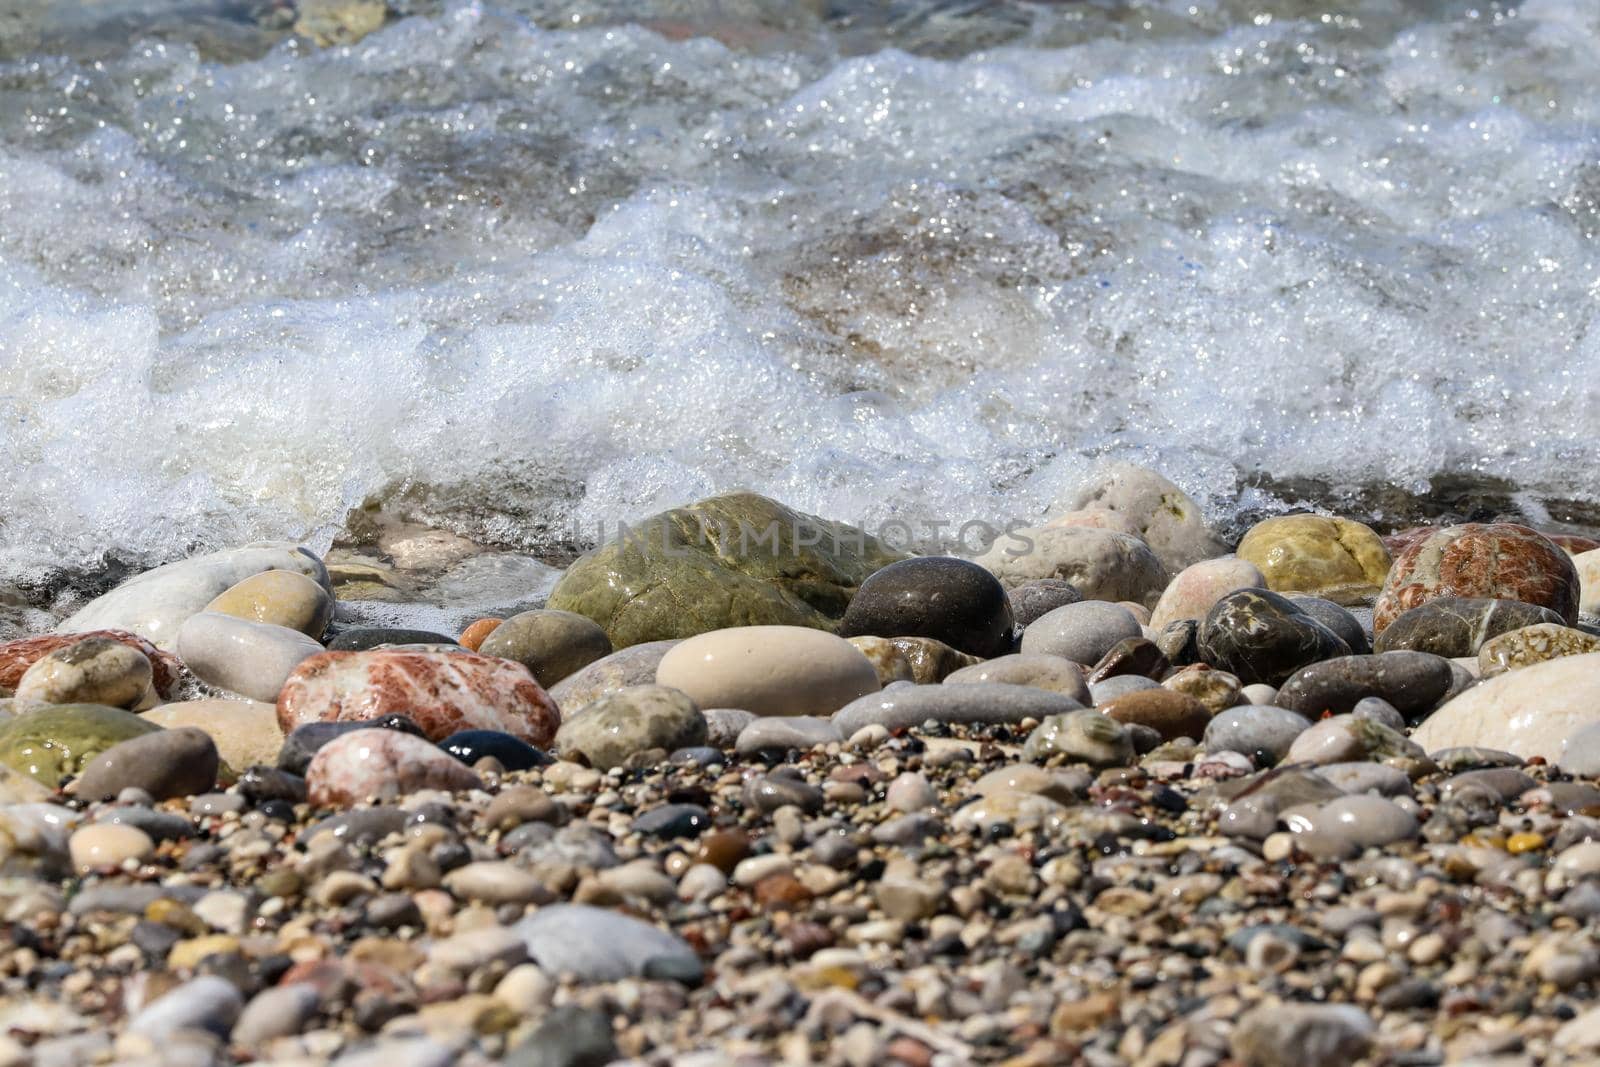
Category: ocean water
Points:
column 522, row 269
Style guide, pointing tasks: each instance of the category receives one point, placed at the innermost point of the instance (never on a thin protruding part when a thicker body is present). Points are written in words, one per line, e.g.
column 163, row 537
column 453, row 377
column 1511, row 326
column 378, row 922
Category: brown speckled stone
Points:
column 1168, row 712
column 443, row 692
column 1500, row 560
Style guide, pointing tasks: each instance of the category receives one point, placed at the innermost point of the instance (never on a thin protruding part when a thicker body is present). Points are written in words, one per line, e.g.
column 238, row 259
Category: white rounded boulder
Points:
column 1529, row 712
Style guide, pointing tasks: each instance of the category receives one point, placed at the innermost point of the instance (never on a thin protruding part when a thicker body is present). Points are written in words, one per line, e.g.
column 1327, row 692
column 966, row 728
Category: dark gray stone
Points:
column 948, row 599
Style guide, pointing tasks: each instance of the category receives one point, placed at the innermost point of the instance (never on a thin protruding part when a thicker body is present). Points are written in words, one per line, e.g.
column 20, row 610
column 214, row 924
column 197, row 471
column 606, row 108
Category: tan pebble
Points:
column 496, row 882
column 525, row 989
column 1427, row 949
column 750, row 871
column 186, row 955
column 108, row 845
column 341, row 887
column 1277, row 847
column 1374, row 979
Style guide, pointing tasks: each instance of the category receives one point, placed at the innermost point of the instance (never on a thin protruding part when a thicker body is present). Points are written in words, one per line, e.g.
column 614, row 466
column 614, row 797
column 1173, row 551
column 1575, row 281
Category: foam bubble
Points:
column 524, row 282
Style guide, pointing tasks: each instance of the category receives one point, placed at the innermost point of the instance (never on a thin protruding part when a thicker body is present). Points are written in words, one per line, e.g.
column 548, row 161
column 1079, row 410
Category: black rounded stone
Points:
column 1411, row 681
column 674, row 820
column 1040, row 596
column 1337, row 619
column 942, row 597
column 362, row 638
column 514, row 754
column 1458, row 626
column 1264, row 637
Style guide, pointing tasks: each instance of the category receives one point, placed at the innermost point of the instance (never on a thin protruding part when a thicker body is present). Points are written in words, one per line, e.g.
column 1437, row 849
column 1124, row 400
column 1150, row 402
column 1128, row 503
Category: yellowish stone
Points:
column 1335, row 558
column 246, row 732
column 282, row 598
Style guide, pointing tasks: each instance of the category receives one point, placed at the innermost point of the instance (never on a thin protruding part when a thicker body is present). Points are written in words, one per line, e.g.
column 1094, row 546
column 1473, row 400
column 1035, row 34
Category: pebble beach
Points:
column 1125, row 798
column 799, row 533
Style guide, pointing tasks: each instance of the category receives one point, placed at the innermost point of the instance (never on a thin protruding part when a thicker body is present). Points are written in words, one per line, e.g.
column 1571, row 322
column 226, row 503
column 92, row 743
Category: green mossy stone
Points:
column 56, row 741
column 739, row 559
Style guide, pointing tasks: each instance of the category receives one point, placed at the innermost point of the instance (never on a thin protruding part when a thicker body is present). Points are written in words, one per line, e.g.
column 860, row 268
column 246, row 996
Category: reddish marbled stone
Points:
column 1401, row 540
column 441, row 691
column 1500, row 560
column 1575, row 544
column 386, row 764
column 166, row 670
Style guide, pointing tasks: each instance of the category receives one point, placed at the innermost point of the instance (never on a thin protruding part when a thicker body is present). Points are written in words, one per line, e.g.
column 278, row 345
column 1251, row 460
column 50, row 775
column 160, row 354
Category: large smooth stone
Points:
column 206, row 1003
column 165, row 764
column 599, row 945
column 95, row 670
column 1339, row 559
column 252, row 659
column 246, row 732
column 443, row 692
column 994, row 702
column 551, row 644
column 1166, row 711
column 58, row 740
column 1350, row 738
column 769, row 670
column 1303, row 1035
column 156, row 603
column 1587, row 564
column 1082, row 632
column 1336, row 618
column 1261, row 731
column 733, row 560
column 1500, row 560
column 637, row 719
column 302, row 744
column 279, row 598
column 1411, row 681
column 385, row 764
column 1531, row 712
column 1055, row 673
column 1349, row 825
column 17, row 657
column 942, row 597
column 634, row 665
column 1459, row 627
column 1199, row 586
column 1523, row 648
column 1263, row 637
column 1098, row 563
column 1164, row 515
column 1032, row 599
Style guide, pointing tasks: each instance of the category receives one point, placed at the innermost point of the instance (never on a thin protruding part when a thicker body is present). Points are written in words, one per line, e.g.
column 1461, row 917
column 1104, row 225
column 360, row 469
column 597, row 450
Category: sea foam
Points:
column 523, row 282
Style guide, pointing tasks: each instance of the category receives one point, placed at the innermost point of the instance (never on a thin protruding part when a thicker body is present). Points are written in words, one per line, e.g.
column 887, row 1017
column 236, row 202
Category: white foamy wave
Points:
column 522, row 282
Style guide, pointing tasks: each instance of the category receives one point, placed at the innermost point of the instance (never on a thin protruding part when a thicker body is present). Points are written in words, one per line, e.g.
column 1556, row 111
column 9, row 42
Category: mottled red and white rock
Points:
column 443, row 692
column 17, row 656
column 1500, row 560
column 381, row 763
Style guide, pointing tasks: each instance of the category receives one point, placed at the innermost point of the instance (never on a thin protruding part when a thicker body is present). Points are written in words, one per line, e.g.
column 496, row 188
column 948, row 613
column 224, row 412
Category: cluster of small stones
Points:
column 974, row 817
